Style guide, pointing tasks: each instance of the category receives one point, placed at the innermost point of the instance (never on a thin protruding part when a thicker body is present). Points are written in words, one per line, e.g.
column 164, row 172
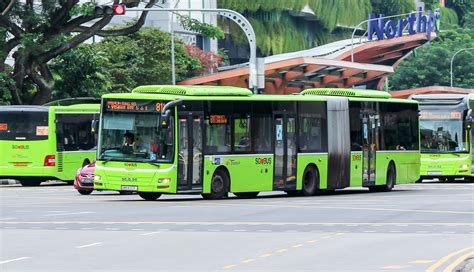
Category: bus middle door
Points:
column 285, row 151
column 370, row 127
column 190, row 158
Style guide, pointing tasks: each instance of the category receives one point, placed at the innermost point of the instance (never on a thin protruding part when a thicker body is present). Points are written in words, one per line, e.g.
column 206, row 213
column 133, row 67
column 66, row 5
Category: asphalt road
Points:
column 417, row 227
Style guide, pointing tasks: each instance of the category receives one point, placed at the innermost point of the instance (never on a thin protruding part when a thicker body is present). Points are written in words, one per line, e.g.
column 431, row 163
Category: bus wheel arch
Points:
column 220, row 184
column 310, row 180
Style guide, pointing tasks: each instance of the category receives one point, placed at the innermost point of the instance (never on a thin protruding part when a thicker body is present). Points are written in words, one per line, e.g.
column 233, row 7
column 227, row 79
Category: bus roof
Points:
column 21, row 108
column 441, row 99
column 201, row 92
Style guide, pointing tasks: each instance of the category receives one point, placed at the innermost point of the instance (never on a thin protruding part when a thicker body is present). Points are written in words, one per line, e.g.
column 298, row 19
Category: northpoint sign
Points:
column 416, row 23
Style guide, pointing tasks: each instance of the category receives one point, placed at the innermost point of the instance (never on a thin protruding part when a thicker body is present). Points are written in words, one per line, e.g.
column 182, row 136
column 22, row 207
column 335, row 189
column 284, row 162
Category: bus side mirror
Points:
column 469, row 119
column 165, row 119
column 166, row 112
column 94, row 126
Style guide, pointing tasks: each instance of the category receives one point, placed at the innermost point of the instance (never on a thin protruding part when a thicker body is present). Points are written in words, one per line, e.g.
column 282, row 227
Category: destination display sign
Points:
column 3, row 127
column 133, row 106
column 440, row 115
column 217, row 119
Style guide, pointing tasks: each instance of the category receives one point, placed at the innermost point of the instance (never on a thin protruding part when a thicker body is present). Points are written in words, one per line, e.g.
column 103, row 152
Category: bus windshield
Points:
column 442, row 132
column 137, row 137
column 24, row 125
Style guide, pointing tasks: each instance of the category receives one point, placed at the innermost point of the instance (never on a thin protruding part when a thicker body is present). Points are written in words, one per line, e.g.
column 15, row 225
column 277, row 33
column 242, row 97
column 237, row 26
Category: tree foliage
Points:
column 37, row 32
column 430, row 65
column 144, row 58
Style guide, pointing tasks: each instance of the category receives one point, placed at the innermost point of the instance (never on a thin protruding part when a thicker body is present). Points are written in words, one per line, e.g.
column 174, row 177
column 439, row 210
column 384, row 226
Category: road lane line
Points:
column 150, row 233
column 458, row 261
column 297, row 245
column 8, row 218
column 425, row 224
column 248, row 261
column 61, row 214
column 230, row 266
column 446, row 258
column 281, row 250
column 89, row 245
column 14, row 260
column 265, row 255
column 422, row 261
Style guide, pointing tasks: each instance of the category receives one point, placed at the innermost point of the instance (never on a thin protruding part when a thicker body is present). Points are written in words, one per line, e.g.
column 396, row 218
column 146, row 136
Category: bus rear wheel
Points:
column 310, row 181
column 149, row 196
column 247, row 195
column 390, row 182
column 219, row 185
column 30, row 182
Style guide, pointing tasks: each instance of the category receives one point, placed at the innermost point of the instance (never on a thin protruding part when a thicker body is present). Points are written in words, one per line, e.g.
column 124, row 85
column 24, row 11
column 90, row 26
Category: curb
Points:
column 8, row 181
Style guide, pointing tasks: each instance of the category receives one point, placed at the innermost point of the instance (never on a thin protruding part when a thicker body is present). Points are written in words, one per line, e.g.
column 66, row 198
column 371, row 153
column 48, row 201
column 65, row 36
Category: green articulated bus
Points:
column 212, row 140
column 446, row 136
column 47, row 142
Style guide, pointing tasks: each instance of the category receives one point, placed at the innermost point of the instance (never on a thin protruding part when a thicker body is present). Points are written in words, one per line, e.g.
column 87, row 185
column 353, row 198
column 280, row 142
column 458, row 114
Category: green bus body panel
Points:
column 320, row 160
column 356, row 169
column 439, row 165
column 34, row 152
column 115, row 174
column 407, row 166
column 255, row 177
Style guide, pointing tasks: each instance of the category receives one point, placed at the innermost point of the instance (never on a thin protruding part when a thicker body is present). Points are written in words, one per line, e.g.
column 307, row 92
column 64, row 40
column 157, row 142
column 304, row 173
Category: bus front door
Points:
column 370, row 126
column 190, row 152
column 285, row 152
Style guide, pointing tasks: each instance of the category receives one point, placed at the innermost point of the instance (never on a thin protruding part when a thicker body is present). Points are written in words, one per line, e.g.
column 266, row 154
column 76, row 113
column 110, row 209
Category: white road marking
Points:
column 89, row 245
column 240, row 230
column 61, row 228
column 8, row 218
column 138, row 229
column 150, row 233
column 111, row 228
column 14, row 260
column 86, row 228
column 61, row 214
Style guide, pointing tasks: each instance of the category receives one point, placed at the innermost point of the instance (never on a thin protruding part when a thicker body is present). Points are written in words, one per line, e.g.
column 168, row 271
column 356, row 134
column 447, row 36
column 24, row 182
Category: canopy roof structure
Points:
column 327, row 66
column 431, row 90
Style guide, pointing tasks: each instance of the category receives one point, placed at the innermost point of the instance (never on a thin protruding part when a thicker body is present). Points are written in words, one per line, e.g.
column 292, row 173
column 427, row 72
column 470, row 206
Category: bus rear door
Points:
column 285, row 151
column 370, row 127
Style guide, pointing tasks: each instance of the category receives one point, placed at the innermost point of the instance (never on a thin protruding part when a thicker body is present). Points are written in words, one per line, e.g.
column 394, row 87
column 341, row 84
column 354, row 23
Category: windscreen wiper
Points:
column 153, row 163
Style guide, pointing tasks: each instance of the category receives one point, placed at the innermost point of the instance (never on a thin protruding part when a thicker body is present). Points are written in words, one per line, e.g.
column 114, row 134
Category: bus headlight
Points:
column 97, row 177
column 164, row 180
column 464, row 166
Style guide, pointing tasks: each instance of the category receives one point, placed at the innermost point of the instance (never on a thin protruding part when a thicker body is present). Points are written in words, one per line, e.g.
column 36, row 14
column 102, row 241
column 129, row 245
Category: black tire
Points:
column 30, row 182
column 310, row 181
column 451, row 179
column 246, row 195
column 149, row 196
column 69, row 182
column 85, row 192
column 443, row 179
column 389, row 183
column 219, row 185
column 420, row 180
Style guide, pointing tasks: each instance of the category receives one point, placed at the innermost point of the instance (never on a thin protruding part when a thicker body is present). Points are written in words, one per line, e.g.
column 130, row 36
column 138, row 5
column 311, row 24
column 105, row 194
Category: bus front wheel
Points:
column 149, row 196
column 30, row 182
column 219, row 185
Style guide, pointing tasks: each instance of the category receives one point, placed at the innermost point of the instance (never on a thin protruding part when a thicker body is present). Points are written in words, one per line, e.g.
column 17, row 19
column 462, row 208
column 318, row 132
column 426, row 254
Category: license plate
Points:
column 87, row 180
column 435, row 173
column 129, row 188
